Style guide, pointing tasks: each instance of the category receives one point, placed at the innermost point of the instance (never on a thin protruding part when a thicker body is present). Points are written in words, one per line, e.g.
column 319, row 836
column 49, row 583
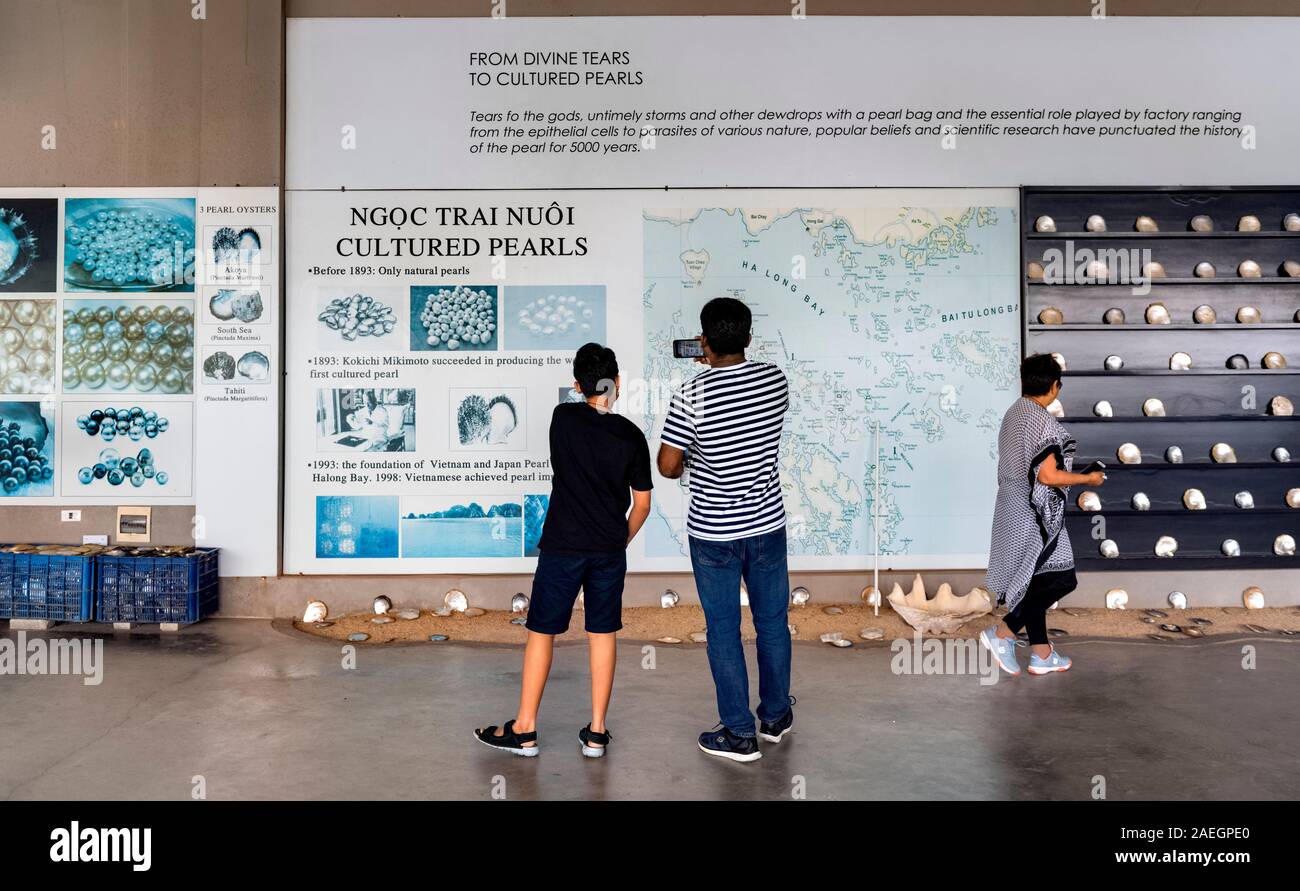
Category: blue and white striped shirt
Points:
column 729, row 421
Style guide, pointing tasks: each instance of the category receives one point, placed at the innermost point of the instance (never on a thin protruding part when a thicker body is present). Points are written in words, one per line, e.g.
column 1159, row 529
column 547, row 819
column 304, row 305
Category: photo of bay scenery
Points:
column 461, row 526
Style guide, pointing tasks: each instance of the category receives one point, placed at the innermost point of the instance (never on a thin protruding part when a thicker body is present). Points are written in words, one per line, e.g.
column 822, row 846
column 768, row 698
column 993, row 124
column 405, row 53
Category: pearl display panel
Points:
column 28, row 337
column 128, row 244
column 136, row 346
column 26, row 448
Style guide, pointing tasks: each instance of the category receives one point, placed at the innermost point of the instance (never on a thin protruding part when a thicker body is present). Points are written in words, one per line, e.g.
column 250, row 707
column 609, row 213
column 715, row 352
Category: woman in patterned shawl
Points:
column 1031, row 564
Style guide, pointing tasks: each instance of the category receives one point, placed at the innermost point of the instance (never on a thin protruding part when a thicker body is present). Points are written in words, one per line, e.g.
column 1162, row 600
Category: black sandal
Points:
column 509, row 741
column 593, row 743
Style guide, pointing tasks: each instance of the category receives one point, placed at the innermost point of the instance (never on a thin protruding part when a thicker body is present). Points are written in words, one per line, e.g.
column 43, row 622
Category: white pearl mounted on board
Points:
column 1109, row 549
column 1249, row 269
column 1230, row 548
column 1113, row 363
column 1222, row 453
column 1201, row 223
column 1088, row 501
column 1116, row 598
column 1113, row 316
column 1140, row 501
column 1249, row 315
column 1158, row 314
column 1248, row 223
column 1244, row 500
column 1166, row 546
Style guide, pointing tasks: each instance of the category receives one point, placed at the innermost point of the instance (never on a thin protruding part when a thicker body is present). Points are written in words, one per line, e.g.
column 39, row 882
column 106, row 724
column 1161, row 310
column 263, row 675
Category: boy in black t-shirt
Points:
column 601, row 466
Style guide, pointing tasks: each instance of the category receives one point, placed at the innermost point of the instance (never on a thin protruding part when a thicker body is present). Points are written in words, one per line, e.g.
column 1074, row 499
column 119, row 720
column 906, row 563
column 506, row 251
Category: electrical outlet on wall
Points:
column 70, row 516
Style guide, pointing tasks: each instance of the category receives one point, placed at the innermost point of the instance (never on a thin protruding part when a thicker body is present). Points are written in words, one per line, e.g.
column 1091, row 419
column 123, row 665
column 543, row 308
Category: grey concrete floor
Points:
column 263, row 712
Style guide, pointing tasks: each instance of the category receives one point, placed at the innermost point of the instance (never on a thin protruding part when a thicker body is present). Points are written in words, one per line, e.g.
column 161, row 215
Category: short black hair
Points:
column 726, row 322
column 594, row 368
column 1037, row 374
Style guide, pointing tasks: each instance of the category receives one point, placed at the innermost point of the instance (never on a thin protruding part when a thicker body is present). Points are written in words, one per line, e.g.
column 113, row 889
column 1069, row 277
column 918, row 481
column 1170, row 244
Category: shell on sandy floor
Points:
column 669, row 599
column 800, row 595
column 381, row 605
column 699, row 636
column 382, row 620
column 519, row 603
column 669, row 640
column 1116, row 598
column 872, row 633
column 474, row 612
column 358, row 636
column 455, row 600
column 316, row 611
column 943, row 614
column 407, row 614
column 833, row 610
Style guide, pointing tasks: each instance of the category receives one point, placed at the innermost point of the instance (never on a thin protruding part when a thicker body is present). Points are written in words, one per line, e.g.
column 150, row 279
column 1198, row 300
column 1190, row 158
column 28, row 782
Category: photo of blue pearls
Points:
column 356, row 525
column 117, row 469
column 26, row 449
column 29, row 232
column 126, row 449
column 128, row 244
column 139, row 346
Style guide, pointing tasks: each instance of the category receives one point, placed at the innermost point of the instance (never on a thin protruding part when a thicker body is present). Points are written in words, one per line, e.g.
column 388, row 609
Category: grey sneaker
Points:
column 1054, row 662
column 1004, row 651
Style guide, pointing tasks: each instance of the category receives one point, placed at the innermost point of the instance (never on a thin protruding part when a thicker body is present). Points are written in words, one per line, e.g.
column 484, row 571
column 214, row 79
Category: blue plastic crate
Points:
column 44, row 586
column 152, row 590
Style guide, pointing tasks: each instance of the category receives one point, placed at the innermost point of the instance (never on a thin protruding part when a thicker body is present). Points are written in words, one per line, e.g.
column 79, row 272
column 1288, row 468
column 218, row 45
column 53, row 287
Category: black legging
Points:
column 1031, row 612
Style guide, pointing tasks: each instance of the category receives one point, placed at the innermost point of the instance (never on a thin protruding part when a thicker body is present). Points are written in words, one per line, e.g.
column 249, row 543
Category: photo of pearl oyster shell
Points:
column 1180, row 362
column 1060, row 360
column 1201, row 223
column 1204, row 269
column 1222, row 453
column 1044, row 224
column 1248, row 315
column 1153, row 408
column 1095, row 223
column 1113, row 316
column 1113, row 363
column 1109, row 549
column 1252, row 597
column 1140, row 501
column 1154, row 269
column 1244, row 500
column 1291, row 222
column 1238, row 362
column 1290, row 268
column 1273, row 360
column 1051, row 316
column 1248, row 223
column 232, row 304
column 1145, row 224
column 1166, row 546
column 1174, row 454
column 1035, row 270
column 1116, row 598
column 1281, row 454
column 1249, row 269
column 1293, row 498
column 1284, row 545
column 1158, row 314
column 1128, row 453
column 1204, row 315
column 1103, row 409
column 1088, row 501
column 1230, row 548
column 1194, row 499
column 1177, row 599
column 253, row 366
column 1281, row 407
column 1056, row 409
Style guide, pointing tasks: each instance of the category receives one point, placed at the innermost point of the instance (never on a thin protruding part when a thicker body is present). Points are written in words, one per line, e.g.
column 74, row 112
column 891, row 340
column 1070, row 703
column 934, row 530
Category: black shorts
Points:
column 556, row 584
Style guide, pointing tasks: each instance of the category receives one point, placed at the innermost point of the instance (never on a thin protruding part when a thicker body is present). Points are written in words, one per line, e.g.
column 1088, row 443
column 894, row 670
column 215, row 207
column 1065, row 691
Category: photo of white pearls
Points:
column 128, row 244
column 27, row 341
column 136, row 346
column 545, row 317
column 454, row 318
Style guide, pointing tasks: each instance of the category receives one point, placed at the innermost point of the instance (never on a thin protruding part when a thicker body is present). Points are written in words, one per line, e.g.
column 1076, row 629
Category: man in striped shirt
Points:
column 724, row 429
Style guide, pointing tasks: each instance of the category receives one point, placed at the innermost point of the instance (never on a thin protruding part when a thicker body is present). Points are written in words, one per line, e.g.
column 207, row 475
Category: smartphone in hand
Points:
column 689, row 348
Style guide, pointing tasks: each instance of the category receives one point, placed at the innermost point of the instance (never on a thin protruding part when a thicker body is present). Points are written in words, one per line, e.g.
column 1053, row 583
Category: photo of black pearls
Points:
column 139, row 346
column 453, row 318
column 229, row 304
column 128, row 244
column 134, row 423
column 248, row 367
column 116, row 448
column 27, row 341
column 26, row 449
column 116, row 469
column 29, row 247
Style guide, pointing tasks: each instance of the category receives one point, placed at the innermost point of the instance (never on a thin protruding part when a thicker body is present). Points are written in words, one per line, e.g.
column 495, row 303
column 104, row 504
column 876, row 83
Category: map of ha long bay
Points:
column 901, row 316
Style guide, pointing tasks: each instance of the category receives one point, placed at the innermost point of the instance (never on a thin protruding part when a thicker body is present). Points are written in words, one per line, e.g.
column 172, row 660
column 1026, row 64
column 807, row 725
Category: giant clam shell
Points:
column 1201, row 223
column 1249, row 315
column 1060, row 360
column 1180, row 361
column 1034, row 270
column 1174, row 454
column 381, row 605
column 1051, row 316
column 1154, row 269
column 1166, row 546
column 1088, row 501
column 1108, row 548
column 1095, row 223
column 1293, row 498
column 1116, row 598
column 800, row 596
column 1252, row 598
column 456, row 601
column 1281, row 407
column 1249, row 269
column 1222, row 453
column 1273, row 360
column 1158, row 314
column 1113, row 316
column 1103, row 409
column 1230, row 548
column 1204, row 269
column 1145, row 223
column 1153, row 408
column 1177, row 599
column 1044, row 224
column 1291, row 222
column 1244, row 500
column 316, row 611
column 1284, row 545
column 1238, row 362
column 1281, row 454
column 1248, row 223
column 1140, row 501
column 1194, row 499
column 1204, row 315
column 1128, row 453
column 1113, row 363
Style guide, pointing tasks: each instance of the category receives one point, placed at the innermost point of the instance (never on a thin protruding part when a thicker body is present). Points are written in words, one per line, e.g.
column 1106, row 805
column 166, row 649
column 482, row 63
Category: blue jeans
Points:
column 761, row 562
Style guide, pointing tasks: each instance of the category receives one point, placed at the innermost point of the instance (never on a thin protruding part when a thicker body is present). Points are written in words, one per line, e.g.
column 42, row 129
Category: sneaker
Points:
column 1054, row 662
column 723, row 743
column 777, row 729
column 1004, row 651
